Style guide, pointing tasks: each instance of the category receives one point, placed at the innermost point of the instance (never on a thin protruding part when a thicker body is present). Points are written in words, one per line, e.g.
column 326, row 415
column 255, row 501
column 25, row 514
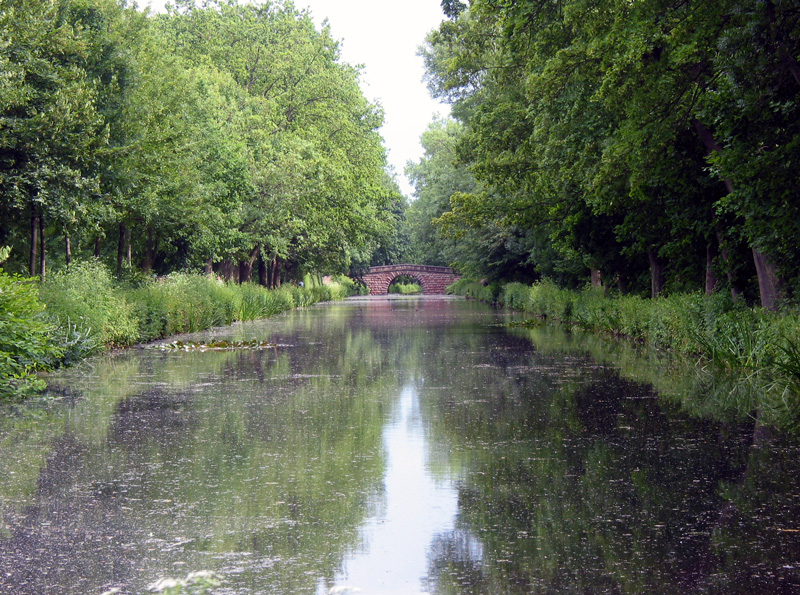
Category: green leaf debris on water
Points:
column 216, row 345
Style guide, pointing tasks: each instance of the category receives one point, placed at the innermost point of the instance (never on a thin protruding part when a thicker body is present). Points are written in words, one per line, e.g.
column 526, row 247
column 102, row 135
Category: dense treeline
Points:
column 653, row 144
column 221, row 135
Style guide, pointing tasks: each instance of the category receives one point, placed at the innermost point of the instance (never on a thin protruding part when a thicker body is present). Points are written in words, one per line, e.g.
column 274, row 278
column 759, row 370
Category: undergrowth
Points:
column 405, row 288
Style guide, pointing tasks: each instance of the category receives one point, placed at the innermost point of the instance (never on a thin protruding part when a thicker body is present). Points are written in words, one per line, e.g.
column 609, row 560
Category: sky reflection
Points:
column 394, row 555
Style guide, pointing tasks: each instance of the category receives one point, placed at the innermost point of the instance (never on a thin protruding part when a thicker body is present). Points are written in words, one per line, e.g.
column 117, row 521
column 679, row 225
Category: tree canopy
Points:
column 222, row 133
column 627, row 138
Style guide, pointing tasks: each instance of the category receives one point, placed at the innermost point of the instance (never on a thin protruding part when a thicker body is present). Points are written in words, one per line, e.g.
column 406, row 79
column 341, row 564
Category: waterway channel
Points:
column 376, row 446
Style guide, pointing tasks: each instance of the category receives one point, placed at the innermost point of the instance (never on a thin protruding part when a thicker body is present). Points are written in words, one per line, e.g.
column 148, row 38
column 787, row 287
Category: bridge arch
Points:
column 433, row 280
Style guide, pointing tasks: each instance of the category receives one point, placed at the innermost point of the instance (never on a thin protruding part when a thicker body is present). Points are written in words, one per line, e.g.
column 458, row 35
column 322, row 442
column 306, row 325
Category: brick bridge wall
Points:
column 432, row 279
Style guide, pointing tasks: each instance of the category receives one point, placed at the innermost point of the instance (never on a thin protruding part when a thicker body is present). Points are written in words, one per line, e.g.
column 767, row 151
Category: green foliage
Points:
column 83, row 310
column 619, row 136
column 343, row 286
column 92, row 310
column 405, row 288
column 219, row 131
column 86, row 297
column 475, row 290
column 318, row 196
column 26, row 341
column 183, row 303
column 749, row 357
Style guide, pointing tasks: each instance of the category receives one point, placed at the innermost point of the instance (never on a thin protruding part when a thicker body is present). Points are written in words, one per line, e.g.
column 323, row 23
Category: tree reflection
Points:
column 264, row 465
column 577, row 480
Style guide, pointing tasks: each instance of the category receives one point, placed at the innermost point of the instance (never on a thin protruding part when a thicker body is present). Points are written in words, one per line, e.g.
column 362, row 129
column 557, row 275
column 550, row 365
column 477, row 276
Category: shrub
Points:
column 26, row 342
column 86, row 298
column 475, row 290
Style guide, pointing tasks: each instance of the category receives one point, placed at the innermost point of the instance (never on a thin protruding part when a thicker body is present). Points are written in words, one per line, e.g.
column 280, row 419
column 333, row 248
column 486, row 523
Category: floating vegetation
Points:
column 529, row 322
column 217, row 345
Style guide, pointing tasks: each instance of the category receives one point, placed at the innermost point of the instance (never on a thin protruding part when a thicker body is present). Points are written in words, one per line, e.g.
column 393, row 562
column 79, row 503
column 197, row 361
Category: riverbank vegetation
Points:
column 405, row 285
column 81, row 311
column 644, row 150
column 747, row 359
column 405, row 288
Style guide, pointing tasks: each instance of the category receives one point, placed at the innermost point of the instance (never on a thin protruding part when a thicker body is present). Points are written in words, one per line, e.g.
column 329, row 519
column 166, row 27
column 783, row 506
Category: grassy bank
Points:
column 85, row 310
column 748, row 357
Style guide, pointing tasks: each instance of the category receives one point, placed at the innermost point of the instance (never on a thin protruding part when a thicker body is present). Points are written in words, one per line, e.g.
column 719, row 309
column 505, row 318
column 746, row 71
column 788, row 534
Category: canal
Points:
column 407, row 445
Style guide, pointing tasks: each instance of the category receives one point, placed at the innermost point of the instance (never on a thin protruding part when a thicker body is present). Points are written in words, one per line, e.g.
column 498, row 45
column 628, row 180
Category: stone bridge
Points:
column 432, row 279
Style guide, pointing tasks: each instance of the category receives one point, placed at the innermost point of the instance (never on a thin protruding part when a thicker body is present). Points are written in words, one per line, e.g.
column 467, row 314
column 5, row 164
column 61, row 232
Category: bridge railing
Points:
column 417, row 268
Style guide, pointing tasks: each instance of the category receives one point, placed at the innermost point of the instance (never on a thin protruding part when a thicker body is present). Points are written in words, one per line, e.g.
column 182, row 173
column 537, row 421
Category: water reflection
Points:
column 404, row 446
column 415, row 509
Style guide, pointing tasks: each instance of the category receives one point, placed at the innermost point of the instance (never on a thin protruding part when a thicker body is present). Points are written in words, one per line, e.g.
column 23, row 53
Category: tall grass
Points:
column 405, row 288
column 87, row 302
column 475, row 290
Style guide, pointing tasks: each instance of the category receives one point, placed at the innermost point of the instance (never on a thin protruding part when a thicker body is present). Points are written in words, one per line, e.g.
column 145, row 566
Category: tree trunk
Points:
column 149, row 253
column 3, row 226
column 735, row 293
column 226, row 269
column 245, row 271
column 34, row 251
column 42, row 250
column 711, row 278
column 622, row 286
column 246, row 265
column 768, row 282
column 122, row 241
column 275, row 282
column 67, row 250
column 263, row 280
column 96, row 252
column 208, row 269
column 596, row 278
column 656, row 274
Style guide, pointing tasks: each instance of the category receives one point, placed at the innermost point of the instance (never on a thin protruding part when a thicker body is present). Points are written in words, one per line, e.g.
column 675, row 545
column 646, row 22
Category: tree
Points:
column 436, row 178
column 316, row 160
column 52, row 131
column 619, row 107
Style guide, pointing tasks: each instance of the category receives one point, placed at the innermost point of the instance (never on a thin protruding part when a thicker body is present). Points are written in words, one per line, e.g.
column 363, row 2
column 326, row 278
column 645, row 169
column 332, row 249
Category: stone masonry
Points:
column 432, row 279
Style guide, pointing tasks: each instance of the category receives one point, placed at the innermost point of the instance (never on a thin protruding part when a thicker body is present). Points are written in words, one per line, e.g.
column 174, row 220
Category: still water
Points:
column 391, row 446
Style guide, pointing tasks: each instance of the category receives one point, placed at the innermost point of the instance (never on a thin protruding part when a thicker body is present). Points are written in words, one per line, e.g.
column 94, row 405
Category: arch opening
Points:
column 406, row 284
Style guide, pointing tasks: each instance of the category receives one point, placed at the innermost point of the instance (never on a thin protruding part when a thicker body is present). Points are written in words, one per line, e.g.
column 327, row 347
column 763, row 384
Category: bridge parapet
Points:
column 433, row 279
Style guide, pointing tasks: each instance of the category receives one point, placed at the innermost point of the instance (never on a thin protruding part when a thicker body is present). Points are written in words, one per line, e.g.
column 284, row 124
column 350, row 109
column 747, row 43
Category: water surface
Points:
column 391, row 446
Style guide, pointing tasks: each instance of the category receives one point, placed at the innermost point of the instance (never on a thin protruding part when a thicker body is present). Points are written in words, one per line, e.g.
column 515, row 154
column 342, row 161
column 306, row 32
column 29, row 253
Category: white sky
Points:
column 384, row 37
